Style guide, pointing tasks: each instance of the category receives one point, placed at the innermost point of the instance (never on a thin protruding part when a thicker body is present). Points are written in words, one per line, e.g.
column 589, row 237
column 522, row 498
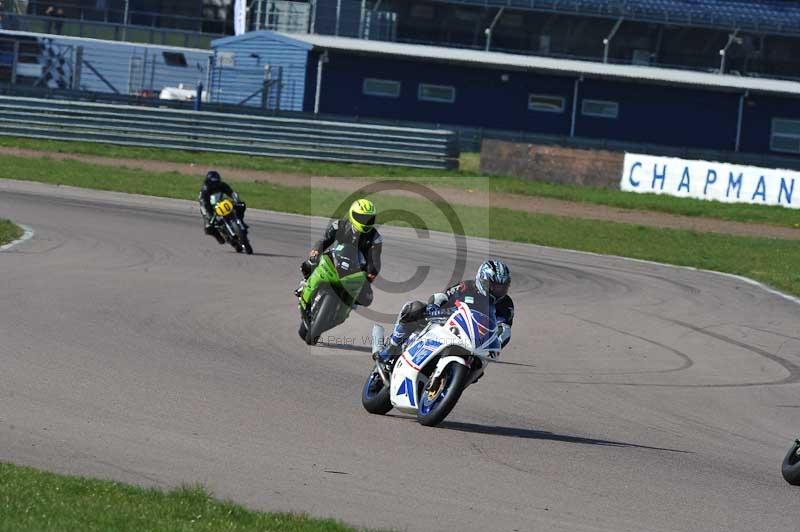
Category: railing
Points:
column 111, row 31
column 228, row 133
column 711, row 17
column 469, row 139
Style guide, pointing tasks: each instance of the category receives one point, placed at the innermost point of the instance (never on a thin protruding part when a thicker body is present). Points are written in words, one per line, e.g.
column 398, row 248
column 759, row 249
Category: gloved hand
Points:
column 435, row 311
column 439, row 298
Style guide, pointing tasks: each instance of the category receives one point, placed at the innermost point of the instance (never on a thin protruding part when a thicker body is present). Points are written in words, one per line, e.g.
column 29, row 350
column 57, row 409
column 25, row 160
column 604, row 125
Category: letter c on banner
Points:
column 709, row 180
column 635, row 165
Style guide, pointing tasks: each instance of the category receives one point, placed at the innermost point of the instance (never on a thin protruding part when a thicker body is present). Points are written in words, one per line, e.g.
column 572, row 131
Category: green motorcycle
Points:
column 331, row 292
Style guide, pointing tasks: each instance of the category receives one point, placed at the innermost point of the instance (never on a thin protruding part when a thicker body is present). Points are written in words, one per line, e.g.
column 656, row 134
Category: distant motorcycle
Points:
column 330, row 292
column 791, row 465
column 228, row 222
column 437, row 364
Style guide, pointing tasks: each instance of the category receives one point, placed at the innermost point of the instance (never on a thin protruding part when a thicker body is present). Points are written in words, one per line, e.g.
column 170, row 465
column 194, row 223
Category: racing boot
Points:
column 386, row 356
column 298, row 292
column 211, row 230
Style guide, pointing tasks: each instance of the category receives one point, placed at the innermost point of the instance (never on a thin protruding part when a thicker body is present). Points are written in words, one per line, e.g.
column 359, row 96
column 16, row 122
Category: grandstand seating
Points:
column 769, row 16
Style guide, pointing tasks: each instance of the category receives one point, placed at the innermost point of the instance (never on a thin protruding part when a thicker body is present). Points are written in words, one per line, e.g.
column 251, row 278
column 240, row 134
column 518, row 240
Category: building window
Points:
column 785, row 135
column 543, row 102
column 385, row 88
column 600, row 108
column 437, row 93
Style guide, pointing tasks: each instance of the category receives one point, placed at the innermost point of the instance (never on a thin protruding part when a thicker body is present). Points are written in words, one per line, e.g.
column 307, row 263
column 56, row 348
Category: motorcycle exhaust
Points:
column 377, row 338
column 377, row 345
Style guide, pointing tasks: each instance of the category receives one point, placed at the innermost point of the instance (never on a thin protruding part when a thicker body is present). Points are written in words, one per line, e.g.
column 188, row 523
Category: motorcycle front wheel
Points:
column 375, row 395
column 246, row 243
column 439, row 398
column 320, row 315
column 791, row 465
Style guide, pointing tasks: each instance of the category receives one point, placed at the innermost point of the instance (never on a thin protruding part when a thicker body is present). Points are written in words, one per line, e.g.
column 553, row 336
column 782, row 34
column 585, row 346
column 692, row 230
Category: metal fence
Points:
column 228, row 133
column 111, row 31
column 53, row 62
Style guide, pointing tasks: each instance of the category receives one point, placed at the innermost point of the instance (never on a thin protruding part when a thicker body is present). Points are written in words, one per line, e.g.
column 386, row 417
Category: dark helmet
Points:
column 493, row 279
column 213, row 178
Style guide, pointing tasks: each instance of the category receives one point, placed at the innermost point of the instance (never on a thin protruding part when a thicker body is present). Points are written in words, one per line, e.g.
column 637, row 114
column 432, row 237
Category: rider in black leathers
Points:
column 359, row 230
column 492, row 280
column 214, row 184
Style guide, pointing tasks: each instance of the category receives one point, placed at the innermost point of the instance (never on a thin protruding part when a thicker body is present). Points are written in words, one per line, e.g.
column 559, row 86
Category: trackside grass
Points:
column 771, row 261
column 45, row 502
column 468, row 178
column 8, row 232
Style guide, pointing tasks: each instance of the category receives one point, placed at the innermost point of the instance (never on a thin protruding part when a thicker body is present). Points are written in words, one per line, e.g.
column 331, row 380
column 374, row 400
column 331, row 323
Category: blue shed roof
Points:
column 261, row 34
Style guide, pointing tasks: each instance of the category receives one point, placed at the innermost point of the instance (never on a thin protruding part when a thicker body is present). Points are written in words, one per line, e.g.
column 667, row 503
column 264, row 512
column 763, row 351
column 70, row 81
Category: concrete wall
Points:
column 552, row 164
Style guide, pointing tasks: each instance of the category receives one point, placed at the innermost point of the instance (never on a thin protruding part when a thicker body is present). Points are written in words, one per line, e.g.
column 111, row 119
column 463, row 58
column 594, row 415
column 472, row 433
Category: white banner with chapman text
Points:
column 730, row 183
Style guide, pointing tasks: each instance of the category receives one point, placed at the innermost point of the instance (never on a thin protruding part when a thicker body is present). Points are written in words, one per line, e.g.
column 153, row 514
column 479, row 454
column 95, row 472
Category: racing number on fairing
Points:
column 224, row 207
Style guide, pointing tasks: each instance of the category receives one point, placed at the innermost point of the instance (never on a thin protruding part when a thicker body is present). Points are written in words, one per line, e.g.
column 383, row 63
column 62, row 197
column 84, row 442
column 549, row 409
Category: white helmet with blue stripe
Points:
column 493, row 279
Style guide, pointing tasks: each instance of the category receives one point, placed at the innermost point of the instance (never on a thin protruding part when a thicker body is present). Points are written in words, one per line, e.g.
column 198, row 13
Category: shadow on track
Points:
column 273, row 255
column 505, row 363
column 347, row 347
column 513, row 432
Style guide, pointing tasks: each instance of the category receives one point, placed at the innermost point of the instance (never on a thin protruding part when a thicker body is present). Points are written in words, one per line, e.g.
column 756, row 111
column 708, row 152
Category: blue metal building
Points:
column 352, row 77
column 104, row 66
column 244, row 63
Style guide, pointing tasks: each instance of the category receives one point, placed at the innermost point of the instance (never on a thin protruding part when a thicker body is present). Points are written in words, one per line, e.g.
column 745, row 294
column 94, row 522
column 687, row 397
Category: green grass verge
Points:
column 771, row 261
column 227, row 160
column 35, row 500
column 8, row 232
column 468, row 177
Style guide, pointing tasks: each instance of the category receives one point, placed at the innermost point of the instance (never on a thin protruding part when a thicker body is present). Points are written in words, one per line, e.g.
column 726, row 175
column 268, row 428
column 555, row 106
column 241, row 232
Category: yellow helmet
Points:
column 362, row 215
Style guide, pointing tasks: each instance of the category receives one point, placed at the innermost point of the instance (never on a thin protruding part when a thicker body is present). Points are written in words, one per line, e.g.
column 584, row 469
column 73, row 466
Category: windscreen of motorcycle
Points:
column 346, row 259
column 483, row 325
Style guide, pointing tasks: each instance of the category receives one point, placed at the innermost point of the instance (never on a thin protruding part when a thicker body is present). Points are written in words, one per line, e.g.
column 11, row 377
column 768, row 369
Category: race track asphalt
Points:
column 633, row 397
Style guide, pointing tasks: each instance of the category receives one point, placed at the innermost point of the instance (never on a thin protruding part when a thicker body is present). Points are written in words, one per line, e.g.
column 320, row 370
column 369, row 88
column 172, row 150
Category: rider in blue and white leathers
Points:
column 493, row 280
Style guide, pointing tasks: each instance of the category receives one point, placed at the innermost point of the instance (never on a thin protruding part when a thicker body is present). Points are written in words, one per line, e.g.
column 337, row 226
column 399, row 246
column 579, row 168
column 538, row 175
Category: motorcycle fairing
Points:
column 470, row 330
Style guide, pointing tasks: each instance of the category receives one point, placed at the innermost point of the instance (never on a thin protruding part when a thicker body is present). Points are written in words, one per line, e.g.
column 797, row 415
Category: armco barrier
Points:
column 228, row 133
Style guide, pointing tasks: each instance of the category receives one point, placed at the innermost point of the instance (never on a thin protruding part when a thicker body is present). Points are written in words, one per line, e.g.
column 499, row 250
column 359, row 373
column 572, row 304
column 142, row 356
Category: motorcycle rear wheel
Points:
column 791, row 465
column 437, row 401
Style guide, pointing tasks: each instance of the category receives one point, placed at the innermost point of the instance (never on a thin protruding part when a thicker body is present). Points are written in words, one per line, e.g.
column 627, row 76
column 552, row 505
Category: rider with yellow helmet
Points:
column 358, row 229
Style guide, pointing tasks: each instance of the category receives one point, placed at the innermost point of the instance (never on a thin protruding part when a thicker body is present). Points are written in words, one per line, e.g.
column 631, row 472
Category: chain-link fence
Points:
column 347, row 18
column 35, row 63
column 84, row 65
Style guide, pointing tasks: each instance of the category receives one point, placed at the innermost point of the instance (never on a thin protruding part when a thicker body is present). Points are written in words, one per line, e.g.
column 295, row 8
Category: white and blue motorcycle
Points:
column 437, row 364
